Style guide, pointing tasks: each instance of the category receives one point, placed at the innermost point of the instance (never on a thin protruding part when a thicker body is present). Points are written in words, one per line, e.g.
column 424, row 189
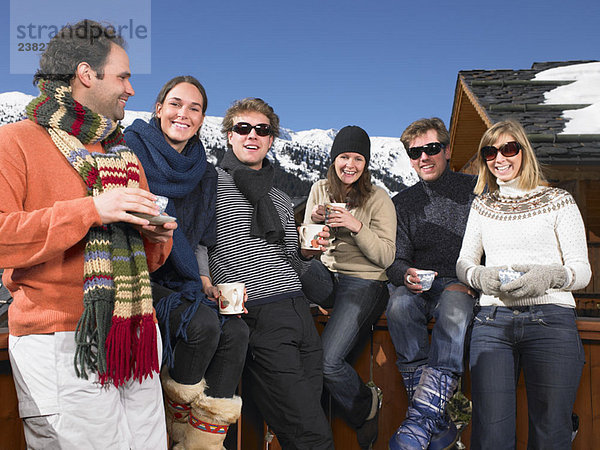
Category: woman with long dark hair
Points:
column 204, row 353
column 534, row 243
column 350, row 276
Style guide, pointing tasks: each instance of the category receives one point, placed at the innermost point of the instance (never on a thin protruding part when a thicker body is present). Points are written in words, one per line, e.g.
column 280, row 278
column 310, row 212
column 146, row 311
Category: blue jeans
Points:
column 357, row 304
column 408, row 315
column 541, row 340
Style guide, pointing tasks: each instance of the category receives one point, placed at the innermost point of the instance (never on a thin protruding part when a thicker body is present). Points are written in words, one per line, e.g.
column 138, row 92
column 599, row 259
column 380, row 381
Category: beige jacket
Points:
column 369, row 252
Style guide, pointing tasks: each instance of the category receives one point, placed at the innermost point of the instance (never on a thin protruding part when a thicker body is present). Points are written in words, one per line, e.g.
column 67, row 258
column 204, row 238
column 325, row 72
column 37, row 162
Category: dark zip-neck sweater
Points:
column 432, row 217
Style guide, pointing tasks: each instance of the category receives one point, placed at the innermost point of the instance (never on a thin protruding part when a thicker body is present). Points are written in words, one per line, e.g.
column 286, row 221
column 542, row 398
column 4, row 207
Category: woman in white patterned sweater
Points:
column 528, row 323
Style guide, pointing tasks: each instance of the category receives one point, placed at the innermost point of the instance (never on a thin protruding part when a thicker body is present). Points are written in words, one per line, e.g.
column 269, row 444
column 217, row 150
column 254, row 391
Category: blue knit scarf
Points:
column 189, row 182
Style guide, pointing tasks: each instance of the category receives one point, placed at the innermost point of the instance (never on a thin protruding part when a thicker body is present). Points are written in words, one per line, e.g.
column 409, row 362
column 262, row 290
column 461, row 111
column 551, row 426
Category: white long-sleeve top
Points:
column 541, row 226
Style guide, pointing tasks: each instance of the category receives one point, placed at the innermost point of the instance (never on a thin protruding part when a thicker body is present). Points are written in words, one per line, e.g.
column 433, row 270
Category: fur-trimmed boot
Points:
column 426, row 416
column 209, row 421
column 178, row 399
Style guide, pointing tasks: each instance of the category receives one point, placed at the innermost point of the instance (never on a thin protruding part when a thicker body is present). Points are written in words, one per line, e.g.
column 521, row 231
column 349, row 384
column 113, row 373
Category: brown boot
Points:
column 177, row 405
column 209, row 421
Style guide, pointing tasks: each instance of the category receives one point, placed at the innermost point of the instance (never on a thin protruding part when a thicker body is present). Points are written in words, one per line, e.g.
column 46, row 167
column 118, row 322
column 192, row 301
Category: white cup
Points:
column 161, row 202
column 329, row 208
column 231, row 298
column 309, row 234
column 161, row 219
column 508, row 275
column 426, row 278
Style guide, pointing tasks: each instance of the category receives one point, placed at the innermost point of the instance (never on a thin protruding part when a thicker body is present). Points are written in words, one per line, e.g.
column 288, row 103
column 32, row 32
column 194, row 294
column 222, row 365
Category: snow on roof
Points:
column 585, row 89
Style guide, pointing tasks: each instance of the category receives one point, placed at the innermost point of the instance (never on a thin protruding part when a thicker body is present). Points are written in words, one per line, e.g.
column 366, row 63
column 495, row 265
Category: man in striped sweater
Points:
column 257, row 244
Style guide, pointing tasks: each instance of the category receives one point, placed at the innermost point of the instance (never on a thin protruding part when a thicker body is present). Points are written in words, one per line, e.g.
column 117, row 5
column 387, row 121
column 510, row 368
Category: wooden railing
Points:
column 588, row 299
column 386, row 376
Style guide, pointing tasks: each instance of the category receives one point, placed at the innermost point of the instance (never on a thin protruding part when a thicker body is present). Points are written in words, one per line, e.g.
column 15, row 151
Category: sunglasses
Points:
column 433, row 148
column 509, row 149
column 244, row 128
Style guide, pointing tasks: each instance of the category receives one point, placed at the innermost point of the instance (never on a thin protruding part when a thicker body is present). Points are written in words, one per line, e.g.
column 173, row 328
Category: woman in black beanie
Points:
column 350, row 276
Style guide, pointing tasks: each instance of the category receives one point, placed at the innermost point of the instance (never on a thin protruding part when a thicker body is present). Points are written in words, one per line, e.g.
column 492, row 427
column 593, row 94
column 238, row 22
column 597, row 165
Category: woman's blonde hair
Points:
column 530, row 173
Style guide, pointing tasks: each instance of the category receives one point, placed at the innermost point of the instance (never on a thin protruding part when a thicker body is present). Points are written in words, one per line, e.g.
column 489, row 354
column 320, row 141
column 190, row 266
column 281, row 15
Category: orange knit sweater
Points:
column 45, row 215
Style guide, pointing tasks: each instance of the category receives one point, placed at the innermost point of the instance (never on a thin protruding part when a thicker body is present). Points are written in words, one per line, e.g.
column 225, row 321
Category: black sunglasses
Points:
column 489, row 152
column 433, row 148
column 244, row 128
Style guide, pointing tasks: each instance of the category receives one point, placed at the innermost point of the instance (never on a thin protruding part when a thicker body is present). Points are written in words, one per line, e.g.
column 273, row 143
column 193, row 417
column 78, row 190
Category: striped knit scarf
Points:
column 116, row 334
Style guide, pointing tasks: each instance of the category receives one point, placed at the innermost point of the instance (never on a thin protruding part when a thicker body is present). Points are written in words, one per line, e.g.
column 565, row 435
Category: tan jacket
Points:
column 369, row 252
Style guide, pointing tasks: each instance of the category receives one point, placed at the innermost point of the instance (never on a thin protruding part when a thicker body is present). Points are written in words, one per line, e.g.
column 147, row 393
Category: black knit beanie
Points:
column 351, row 139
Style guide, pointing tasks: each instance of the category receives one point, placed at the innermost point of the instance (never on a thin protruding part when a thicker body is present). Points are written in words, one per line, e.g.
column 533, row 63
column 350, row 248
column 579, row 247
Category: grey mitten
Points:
column 486, row 280
column 536, row 280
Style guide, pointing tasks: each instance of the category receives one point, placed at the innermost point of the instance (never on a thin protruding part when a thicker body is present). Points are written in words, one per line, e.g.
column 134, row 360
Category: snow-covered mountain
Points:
column 302, row 156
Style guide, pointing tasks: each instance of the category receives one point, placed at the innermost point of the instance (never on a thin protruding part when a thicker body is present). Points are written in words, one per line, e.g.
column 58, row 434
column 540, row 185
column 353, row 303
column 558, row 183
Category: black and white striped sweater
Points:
column 270, row 271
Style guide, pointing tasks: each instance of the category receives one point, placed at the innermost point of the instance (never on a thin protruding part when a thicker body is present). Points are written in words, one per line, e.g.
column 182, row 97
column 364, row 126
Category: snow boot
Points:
column 426, row 414
column 209, row 421
column 177, row 405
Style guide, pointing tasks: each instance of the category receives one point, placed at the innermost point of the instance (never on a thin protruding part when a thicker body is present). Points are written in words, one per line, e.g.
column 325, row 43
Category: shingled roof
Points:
column 501, row 94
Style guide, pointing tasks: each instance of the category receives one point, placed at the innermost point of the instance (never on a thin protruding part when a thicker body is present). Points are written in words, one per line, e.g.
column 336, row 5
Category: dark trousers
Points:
column 211, row 351
column 284, row 373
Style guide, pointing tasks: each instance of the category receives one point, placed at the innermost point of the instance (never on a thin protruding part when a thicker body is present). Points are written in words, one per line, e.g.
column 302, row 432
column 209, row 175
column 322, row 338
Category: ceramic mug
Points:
column 161, row 219
column 508, row 275
column 309, row 235
column 329, row 208
column 426, row 278
column 231, row 298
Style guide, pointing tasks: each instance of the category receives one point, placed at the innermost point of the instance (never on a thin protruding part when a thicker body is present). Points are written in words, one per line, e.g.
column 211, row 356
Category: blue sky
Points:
column 327, row 64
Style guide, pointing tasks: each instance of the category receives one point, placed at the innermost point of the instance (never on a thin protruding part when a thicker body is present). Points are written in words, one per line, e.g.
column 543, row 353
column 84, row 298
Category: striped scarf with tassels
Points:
column 116, row 334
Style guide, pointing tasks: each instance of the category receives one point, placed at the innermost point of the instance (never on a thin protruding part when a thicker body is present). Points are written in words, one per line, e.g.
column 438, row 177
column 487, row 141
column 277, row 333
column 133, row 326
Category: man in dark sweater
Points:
column 257, row 244
column 432, row 216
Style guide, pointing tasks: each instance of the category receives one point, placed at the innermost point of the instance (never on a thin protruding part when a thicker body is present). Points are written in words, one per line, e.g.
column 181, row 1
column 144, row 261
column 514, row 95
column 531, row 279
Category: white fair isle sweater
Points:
column 541, row 226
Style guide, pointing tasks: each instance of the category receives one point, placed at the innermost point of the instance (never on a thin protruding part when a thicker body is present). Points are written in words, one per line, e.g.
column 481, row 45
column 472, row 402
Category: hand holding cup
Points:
column 337, row 216
column 318, row 214
column 418, row 280
column 231, row 298
column 314, row 238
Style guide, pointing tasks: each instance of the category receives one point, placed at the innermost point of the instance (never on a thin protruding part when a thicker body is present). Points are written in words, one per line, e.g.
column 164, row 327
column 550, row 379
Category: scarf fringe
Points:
column 86, row 348
column 164, row 307
column 130, row 350
column 88, row 355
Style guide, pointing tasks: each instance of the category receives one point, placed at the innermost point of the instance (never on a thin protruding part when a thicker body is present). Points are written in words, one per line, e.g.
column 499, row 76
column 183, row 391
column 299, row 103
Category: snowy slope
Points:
column 304, row 154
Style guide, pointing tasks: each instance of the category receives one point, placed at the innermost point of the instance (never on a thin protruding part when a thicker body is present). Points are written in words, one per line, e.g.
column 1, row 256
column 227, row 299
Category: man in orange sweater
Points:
column 83, row 343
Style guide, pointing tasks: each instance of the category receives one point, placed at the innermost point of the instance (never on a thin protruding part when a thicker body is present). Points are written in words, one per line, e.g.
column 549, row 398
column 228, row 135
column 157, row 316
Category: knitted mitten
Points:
column 536, row 280
column 486, row 280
